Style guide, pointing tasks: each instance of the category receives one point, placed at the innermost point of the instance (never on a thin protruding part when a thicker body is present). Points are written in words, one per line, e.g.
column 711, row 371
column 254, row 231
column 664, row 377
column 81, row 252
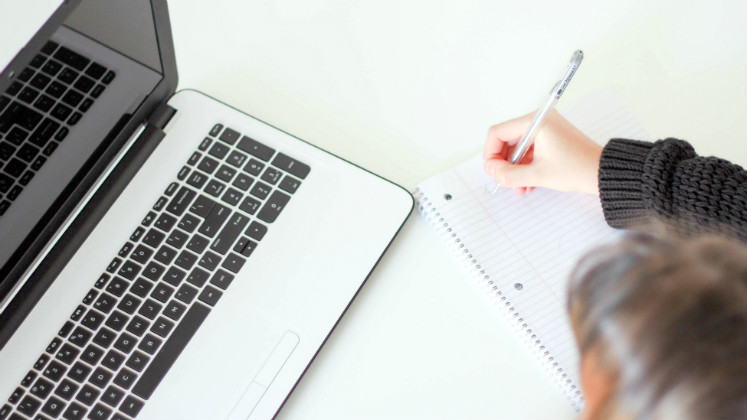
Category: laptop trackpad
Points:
column 254, row 392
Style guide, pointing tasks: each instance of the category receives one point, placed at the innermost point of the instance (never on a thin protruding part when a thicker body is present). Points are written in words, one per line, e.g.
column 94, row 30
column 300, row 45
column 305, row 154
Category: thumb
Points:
column 510, row 175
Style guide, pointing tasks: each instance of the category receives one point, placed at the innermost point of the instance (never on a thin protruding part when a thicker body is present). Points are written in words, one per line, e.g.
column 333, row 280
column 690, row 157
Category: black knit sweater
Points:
column 640, row 182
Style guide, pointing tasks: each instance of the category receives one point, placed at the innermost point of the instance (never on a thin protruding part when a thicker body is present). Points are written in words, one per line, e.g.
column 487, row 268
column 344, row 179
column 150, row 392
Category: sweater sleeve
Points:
column 667, row 181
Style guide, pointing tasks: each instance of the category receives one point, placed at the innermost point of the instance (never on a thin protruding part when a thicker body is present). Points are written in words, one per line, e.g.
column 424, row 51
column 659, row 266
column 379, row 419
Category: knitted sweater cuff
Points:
column 620, row 181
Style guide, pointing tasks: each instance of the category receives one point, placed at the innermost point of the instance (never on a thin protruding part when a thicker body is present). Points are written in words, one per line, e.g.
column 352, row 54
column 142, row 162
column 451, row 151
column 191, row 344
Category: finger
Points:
column 509, row 175
column 503, row 134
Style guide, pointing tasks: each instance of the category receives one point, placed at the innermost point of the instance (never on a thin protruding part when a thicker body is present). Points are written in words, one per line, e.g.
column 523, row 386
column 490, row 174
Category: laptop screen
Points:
column 71, row 103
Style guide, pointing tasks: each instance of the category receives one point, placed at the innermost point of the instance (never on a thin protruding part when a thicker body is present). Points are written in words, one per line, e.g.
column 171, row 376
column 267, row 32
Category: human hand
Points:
column 562, row 157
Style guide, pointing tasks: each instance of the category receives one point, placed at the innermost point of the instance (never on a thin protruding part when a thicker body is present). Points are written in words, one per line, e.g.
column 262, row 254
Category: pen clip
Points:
column 562, row 84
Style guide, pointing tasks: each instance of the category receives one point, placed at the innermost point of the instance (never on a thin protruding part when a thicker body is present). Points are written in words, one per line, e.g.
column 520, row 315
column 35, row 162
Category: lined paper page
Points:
column 522, row 249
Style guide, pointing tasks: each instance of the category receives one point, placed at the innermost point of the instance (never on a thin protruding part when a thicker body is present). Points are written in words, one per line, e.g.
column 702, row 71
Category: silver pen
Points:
column 523, row 146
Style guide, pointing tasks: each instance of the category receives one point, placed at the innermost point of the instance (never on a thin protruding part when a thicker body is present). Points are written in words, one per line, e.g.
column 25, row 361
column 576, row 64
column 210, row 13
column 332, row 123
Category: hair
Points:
column 667, row 319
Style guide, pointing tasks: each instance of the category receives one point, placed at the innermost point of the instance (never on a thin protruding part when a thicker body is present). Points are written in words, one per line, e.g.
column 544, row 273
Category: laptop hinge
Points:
column 162, row 115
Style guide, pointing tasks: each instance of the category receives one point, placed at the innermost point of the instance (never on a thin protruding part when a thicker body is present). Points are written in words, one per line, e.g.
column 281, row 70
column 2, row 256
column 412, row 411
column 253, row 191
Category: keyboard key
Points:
column 68, row 76
column 101, row 377
column 99, row 412
column 153, row 238
column 87, row 395
column 95, row 70
column 160, row 204
column 108, row 77
column 97, row 91
column 177, row 239
column 55, row 371
column 71, row 58
column 80, row 336
column 198, row 277
column 180, row 202
column 171, row 189
column 92, row 320
column 16, row 395
column 116, row 262
column 216, row 129
column 260, row 190
column 56, row 89
column 171, row 349
column 229, row 136
column 117, row 286
column 129, row 304
column 53, row 407
column 74, row 118
column 84, row 84
column 91, row 354
column 162, row 326
column 26, row 74
column 104, row 337
column 186, row 260
column 17, row 136
column 131, row 406
column 66, row 389
column 28, row 406
column 138, row 326
column 42, row 388
column 183, row 173
column 28, row 95
column 205, row 144
column 272, row 208
column 49, row 47
column 150, row 309
column 232, row 197
column 225, row 173
column 215, row 188
column 129, row 269
column 112, row 396
column 113, row 360
column 186, row 294
column 256, row 231
column 141, row 254
column 250, row 205
column 219, row 150
column 141, row 287
column 271, row 176
column 254, row 167
column 125, row 250
column 137, row 361
column 224, row 241
column 210, row 261
column 79, row 372
column 75, row 412
column 255, row 148
column 210, row 295
column 197, row 179
column 61, row 112
column 174, row 276
column 208, row 165
column 125, row 378
column 28, row 379
column 236, row 159
column 150, row 344
column 44, row 103
column 194, row 158
column 72, row 98
column 245, row 247
column 51, row 67
column 233, row 262
column 41, row 362
column 292, row 166
column 218, row 214
column 222, row 279
column 162, row 292
column 54, row 345
column 174, row 310
column 289, row 184
column 125, row 343
column 117, row 320
column 85, row 105
column 165, row 222
column 14, row 88
column 243, row 182
column 202, row 206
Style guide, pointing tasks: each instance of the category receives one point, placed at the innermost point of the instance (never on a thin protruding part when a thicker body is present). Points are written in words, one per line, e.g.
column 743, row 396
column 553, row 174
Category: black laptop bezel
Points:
column 69, row 199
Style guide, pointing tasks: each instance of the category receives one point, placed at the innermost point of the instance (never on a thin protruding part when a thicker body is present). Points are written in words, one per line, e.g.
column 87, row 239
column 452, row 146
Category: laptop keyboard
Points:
column 118, row 344
column 38, row 110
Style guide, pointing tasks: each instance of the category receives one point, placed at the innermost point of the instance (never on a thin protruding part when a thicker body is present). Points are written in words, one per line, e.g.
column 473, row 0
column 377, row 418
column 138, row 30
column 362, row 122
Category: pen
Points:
column 523, row 146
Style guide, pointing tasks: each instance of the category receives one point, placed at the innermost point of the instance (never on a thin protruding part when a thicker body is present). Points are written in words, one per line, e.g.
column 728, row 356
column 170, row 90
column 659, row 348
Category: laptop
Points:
column 163, row 255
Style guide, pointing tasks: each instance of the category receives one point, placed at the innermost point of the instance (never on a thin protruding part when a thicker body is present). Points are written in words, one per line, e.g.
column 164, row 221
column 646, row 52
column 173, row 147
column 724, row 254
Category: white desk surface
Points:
column 408, row 89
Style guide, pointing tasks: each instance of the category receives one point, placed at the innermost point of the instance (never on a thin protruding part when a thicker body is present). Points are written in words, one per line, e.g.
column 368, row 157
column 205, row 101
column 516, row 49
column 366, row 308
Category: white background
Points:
column 408, row 89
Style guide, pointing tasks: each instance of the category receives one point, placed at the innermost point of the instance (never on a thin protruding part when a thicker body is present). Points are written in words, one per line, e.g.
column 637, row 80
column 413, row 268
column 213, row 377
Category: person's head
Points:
column 662, row 329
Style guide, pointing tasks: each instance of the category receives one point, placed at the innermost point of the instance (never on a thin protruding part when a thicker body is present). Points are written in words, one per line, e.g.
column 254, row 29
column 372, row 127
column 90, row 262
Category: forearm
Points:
column 667, row 181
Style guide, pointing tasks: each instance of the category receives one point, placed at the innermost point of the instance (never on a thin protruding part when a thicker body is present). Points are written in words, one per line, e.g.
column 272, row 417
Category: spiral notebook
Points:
column 520, row 250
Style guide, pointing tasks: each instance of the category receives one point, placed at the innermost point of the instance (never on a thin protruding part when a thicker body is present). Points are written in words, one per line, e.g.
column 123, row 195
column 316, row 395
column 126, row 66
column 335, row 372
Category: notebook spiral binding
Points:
column 452, row 240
